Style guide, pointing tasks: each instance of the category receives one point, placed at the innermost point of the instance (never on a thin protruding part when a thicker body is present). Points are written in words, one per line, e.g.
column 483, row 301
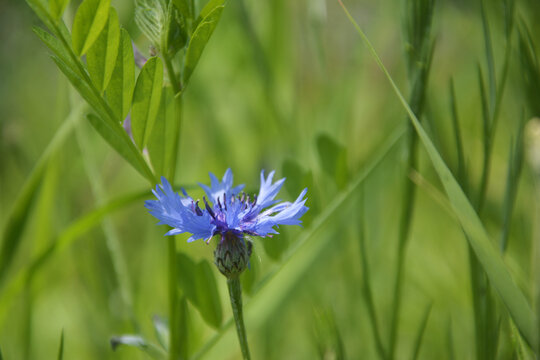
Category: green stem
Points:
column 368, row 293
column 174, row 351
column 404, row 230
column 235, row 293
column 175, row 83
column 174, row 329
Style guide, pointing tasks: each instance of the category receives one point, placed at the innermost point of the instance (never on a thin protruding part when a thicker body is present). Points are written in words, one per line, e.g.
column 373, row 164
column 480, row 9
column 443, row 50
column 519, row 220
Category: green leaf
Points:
column 40, row 9
column 90, row 19
column 101, row 57
column 161, row 144
column 490, row 259
column 57, row 7
column 109, row 129
column 333, row 157
column 207, row 9
column 120, row 90
column 198, row 41
column 208, row 295
column 198, row 284
column 183, row 7
column 61, row 348
column 58, row 49
column 82, row 86
column 120, row 141
column 146, row 101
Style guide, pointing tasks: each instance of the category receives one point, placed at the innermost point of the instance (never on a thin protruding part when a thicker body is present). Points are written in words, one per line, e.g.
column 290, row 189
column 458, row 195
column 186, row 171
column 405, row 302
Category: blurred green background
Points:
column 275, row 76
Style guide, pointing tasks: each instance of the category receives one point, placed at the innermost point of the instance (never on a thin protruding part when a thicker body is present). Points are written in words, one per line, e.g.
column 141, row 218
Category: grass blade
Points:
column 488, row 256
column 457, row 136
column 367, row 289
column 421, row 331
column 61, row 348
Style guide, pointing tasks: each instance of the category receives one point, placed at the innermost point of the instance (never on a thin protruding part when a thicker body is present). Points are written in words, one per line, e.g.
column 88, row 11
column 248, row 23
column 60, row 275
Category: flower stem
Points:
column 235, row 293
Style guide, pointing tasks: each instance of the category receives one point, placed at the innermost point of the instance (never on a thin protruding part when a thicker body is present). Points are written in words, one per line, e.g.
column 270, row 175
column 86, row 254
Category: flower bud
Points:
column 232, row 254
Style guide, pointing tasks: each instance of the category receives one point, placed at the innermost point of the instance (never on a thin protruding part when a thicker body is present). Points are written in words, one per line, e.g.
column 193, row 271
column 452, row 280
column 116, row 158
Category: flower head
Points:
column 227, row 211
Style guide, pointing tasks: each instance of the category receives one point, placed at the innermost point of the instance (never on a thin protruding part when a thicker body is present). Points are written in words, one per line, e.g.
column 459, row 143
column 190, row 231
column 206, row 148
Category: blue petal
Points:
column 268, row 191
column 282, row 214
column 217, row 189
column 171, row 209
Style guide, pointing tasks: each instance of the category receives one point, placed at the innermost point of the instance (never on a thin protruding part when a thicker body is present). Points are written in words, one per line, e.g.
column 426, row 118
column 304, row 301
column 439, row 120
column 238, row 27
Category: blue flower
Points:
column 227, row 211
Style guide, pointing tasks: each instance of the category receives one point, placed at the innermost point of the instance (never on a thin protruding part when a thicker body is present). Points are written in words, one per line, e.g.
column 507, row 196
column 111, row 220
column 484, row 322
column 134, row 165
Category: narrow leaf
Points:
column 82, row 86
column 207, row 9
column 489, row 257
column 90, row 19
column 146, row 101
column 40, row 9
column 120, row 90
column 61, row 348
column 333, row 157
column 161, row 144
column 58, row 49
column 421, row 331
column 57, row 7
column 198, row 41
column 120, row 141
column 183, row 7
column 101, row 57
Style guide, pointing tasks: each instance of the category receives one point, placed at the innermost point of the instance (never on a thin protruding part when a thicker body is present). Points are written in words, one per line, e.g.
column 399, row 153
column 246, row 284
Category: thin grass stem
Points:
column 367, row 291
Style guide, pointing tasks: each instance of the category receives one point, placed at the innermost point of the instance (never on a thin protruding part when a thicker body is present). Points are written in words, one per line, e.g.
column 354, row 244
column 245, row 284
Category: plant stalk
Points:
column 235, row 293
column 174, row 350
